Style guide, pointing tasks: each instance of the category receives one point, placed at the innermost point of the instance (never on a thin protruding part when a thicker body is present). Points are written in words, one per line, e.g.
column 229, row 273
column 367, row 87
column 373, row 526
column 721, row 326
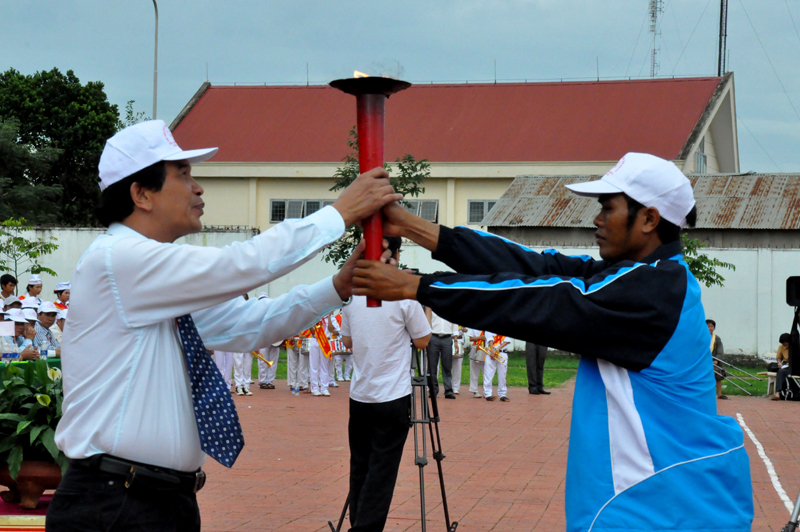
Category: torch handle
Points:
column 370, row 119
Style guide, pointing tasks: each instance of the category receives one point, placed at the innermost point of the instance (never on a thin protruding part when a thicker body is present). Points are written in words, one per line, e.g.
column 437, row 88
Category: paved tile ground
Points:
column 505, row 467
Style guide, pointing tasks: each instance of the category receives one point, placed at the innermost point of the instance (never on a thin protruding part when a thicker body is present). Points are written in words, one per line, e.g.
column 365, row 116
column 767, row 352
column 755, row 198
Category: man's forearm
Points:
column 422, row 232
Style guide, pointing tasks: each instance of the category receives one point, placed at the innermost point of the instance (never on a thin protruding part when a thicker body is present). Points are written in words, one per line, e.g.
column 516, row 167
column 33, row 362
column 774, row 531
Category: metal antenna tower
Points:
column 723, row 36
column 656, row 8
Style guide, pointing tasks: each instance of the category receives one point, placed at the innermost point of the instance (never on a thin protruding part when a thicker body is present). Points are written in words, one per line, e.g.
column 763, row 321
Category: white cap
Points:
column 16, row 314
column 62, row 286
column 10, row 300
column 30, row 314
column 62, row 314
column 35, row 279
column 263, row 295
column 650, row 180
column 47, row 306
column 30, row 302
column 138, row 146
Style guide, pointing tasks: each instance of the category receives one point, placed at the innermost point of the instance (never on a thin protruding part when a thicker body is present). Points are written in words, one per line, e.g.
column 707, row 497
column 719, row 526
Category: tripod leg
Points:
column 341, row 518
column 438, row 455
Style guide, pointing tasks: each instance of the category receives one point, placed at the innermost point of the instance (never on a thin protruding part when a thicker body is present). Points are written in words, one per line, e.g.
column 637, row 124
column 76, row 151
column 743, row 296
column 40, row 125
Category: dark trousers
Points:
column 534, row 363
column 378, row 432
column 93, row 501
column 781, row 380
column 441, row 348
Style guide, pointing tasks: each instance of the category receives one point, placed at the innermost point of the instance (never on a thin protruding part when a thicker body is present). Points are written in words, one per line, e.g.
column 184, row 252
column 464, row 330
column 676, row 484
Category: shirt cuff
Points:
column 323, row 296
column 329, row 222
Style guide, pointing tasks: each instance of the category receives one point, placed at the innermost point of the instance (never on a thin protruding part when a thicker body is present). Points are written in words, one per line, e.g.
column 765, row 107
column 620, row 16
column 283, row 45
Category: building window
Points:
column 477, row 210
column 700, row 158
column 280, row 210
column 425, row 209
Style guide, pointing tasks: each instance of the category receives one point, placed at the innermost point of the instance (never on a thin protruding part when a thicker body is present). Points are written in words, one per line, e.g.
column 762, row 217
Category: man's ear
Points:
column 142, row 197
column 651, row 219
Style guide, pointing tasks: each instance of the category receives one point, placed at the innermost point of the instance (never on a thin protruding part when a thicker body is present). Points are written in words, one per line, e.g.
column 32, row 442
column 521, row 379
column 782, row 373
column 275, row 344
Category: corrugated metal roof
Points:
column 735, row 201
column 513, row 122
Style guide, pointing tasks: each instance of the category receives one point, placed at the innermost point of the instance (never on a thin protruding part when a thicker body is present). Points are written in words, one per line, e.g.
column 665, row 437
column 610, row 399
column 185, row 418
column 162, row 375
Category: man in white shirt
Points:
column 318, row 364
column 380, row 399
column 441, row 349
column 477, row 360
column 143, row 401
column 497, row 362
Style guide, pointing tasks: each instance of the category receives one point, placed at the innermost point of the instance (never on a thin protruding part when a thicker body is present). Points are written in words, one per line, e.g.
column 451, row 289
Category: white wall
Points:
column 750, row 310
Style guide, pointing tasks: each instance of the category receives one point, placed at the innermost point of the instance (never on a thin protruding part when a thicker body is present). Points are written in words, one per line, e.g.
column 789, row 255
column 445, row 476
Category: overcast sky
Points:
column 262, row 41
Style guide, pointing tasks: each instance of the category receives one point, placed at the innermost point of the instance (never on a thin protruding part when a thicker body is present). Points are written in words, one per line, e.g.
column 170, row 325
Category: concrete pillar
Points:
column 764, row 301
column 252, row 209
column 451, row 203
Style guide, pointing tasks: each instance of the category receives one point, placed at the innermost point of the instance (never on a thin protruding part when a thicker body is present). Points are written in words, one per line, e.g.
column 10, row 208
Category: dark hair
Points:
column 59, row 292
column 712, row 322
column 667, row 231
column 394, row 244
column 116, row 203
column 785, row 338
column 28, row 288
column 7, row 278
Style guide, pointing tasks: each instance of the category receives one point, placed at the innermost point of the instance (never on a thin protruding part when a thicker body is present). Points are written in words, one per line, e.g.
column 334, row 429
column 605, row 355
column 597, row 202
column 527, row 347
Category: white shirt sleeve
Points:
column 416, row 322
column 242, row 326
column 163, row 281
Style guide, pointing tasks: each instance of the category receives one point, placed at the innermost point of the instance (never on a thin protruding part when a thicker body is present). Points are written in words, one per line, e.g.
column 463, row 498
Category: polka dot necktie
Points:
column 217, row 422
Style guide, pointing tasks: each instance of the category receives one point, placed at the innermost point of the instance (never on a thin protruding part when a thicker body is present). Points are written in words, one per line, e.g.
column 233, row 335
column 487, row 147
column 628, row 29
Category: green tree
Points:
column 23, row 176
column 19, row 254
column 57, row 111
column 411, row 175
column 703, row 267
column 131, row 116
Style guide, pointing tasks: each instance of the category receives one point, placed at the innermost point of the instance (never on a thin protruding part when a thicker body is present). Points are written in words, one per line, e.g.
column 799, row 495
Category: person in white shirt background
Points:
column 141, row 393
column 58, row 329
column 477, row 361
column 332, row 333
column 267, row 373
column 458, row 359
column 24, row 334
column 318, row 365
column 44, row 339
column 296, row 366
column 440, row 350
column 62, row 292
column 496, row 364
column 380, row 398
column 8, row 285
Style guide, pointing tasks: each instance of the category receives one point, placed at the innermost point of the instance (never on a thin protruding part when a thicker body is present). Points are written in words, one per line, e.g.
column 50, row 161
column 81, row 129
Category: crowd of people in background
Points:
column 38, row 324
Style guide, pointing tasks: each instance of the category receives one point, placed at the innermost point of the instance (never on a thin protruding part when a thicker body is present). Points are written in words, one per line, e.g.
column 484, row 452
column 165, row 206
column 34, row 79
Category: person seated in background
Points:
column 62, row 295
column 58, row 328
column 716, row 352
column 782, row 356
column 24, row 334
column 33, row 289
column 31, row 315
column 11, row 302
column 44, row 339
column 8, row 285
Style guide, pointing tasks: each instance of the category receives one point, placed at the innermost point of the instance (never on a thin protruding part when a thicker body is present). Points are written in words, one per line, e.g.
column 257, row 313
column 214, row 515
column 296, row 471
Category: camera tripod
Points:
column 424, row 411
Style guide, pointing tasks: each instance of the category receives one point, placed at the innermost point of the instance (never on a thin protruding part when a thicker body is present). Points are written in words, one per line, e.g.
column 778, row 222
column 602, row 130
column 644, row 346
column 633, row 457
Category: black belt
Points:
column 443, row 335
column 144, row 475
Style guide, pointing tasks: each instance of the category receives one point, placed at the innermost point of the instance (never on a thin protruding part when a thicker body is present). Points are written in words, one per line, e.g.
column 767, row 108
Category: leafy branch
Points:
column 703, row 267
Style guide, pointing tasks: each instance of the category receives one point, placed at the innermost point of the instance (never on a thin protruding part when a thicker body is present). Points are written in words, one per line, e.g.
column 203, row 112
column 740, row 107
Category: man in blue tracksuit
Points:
column 647, row 449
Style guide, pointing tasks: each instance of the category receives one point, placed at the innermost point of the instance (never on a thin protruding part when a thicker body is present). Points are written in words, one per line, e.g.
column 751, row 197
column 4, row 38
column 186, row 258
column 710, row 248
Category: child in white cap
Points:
column 33, row 289
column 62, row 293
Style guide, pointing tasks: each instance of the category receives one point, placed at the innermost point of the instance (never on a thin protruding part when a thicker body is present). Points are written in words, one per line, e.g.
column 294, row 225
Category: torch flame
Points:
column 357, row 74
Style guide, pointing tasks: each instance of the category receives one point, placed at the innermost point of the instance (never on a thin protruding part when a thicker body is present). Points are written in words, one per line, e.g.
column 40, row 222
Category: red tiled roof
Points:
column 573, row 121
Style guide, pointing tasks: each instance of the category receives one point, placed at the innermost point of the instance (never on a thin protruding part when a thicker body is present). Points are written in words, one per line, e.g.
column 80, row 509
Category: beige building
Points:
column 280, row 146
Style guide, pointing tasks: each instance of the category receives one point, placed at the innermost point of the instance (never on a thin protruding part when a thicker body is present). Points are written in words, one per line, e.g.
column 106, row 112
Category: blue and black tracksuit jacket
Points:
column 647, row 449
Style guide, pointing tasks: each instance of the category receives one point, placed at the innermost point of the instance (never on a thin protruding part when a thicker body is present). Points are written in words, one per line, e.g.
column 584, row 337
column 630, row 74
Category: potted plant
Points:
column 30, row 409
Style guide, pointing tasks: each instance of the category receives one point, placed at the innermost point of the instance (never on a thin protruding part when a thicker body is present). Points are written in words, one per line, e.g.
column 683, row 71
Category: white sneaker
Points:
column 347, row 379
column 316, row 394
column 456, row 392
column 334, row 385
column 247, row 391
column 326, row 393
column 239, row 390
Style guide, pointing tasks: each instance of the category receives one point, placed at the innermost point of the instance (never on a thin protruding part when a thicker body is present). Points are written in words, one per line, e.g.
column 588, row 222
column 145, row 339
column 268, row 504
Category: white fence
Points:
column 750, row 310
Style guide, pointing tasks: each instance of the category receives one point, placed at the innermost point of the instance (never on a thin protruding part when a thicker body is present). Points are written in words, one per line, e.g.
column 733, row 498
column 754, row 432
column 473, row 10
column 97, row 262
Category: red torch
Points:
column 371, row 94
